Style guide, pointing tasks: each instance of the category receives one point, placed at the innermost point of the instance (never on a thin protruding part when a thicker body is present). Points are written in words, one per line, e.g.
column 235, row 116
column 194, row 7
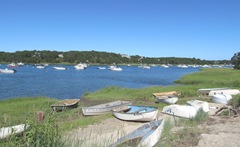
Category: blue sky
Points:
column 205, row 29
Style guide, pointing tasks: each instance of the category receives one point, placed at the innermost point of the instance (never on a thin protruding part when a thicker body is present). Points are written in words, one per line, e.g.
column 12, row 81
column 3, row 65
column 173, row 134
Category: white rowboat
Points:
column 137, row 113
column 7, row 131
column 145, row 136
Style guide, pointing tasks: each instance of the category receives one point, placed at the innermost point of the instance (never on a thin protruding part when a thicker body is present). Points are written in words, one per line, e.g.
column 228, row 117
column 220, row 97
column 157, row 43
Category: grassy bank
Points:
column 22, row 110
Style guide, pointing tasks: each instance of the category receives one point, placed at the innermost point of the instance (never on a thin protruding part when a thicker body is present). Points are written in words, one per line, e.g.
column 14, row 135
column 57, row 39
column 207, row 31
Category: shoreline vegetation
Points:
column 97, row 58
column 50, row 132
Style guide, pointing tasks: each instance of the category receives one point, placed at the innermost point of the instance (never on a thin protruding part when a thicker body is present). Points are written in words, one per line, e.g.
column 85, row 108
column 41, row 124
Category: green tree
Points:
column 236, row 60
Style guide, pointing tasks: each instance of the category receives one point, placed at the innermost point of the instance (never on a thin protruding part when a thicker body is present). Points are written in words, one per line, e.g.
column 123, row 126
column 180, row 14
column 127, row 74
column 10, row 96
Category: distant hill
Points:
column 95, row 57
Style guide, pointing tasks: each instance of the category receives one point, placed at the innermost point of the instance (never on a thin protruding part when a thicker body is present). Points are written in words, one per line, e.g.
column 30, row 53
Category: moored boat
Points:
column 65, row 104
column 7, row 71
column 115, row 68
column 80, row 66
column 137, row 113
column 105, row 108
column 59, row 68
column 12, row 65
column 146, row 135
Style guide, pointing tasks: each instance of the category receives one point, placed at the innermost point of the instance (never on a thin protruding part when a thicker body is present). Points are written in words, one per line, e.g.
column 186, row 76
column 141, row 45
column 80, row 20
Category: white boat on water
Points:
column 145, row 136
column 115, row 68
column 221, row 98
column 40, row 66
column 59, row 68
column 137, row 113
column 7, row 71
column 105, row 108
column 101, row 68
column 80, row 66
column 184, row 111
column 7, row 131
column 199, row 105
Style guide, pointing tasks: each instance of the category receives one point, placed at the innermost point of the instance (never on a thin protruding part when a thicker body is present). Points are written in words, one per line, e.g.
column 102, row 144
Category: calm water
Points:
column 30, row 81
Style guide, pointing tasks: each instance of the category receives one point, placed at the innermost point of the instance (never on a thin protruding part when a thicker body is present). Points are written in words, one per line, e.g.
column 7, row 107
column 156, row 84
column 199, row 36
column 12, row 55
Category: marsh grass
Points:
column 212, row 77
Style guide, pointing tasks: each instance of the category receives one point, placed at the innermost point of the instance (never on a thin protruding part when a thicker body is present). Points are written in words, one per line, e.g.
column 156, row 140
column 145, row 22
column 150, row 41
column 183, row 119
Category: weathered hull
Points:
column 224, row 91
column 146, row 135
column 7, row 131
column 184, row 111
column 167, row 99
column 221, row 98
column 199, row 105
column 137, row 113
column 105, row 108
column 65, row 104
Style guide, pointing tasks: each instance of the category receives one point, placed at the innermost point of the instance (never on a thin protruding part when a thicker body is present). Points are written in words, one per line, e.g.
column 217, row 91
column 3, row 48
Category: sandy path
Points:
column 102, row 134
column 223, row 133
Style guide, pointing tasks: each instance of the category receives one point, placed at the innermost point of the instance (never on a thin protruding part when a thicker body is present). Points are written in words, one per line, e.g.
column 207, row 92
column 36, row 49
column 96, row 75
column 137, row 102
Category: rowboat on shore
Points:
column 214, row 91
column 221, row 98
column 65, row 104
column 169, row 99
column 224, row 91
column 7, row 131
column 105, row 108
column 137, row 113
column 166, row 93
column 184, row 111
column 146, row 135
column 199, row 105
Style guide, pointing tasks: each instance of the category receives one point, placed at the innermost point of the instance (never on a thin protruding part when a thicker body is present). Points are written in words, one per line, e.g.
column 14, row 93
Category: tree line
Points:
column 95, row 57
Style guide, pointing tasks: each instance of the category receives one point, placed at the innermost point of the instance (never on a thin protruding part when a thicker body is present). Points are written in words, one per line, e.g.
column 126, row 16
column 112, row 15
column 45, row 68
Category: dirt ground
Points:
column 222, row 131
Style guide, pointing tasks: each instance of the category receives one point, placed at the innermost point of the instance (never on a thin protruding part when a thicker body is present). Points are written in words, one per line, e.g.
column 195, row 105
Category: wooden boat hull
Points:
column 137, row 113
column 105, row 108
column 7, row 131
column 146, row 135
column 65, row 104
column 184, row 111
column 166, row 93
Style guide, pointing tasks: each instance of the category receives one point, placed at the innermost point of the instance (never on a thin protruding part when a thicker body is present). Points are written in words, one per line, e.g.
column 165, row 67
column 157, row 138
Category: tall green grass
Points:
column 213, row 77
